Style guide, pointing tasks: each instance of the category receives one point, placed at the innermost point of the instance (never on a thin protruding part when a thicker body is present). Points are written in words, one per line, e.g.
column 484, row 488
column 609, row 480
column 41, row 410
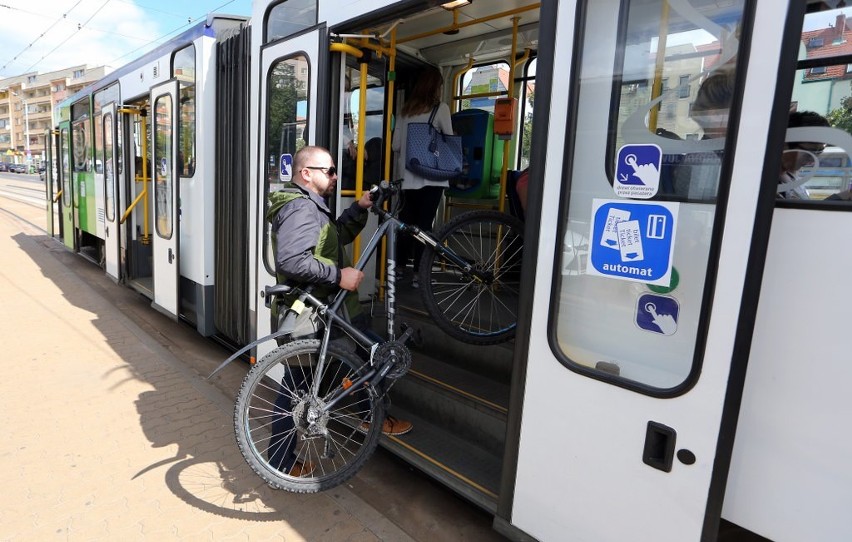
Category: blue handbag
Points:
column 431, row 154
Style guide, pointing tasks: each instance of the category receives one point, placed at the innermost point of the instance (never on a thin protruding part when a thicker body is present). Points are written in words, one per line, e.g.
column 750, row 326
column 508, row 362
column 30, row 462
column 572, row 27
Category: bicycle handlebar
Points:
column 380, row 193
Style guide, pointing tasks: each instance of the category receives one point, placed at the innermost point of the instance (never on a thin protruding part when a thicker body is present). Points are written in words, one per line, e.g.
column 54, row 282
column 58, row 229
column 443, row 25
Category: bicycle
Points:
column 323, row 400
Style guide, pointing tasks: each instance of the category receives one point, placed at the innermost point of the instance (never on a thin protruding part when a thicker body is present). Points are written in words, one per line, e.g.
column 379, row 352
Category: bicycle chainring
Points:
column 398, row 354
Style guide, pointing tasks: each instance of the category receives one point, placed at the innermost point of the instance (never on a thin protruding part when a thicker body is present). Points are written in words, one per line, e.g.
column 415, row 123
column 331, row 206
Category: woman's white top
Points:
column 442, row 121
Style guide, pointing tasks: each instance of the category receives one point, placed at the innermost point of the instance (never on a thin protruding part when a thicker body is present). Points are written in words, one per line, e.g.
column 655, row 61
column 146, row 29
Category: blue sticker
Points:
column 633, row 240
column 657, row 313
column 286, row 172
column 637, row 171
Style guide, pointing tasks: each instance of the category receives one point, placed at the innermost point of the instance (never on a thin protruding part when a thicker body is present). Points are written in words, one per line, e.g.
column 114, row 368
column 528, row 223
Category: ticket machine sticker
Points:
column 633, row 240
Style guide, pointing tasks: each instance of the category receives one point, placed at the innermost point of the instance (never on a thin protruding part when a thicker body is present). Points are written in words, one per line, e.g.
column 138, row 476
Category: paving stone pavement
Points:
column 111, row 432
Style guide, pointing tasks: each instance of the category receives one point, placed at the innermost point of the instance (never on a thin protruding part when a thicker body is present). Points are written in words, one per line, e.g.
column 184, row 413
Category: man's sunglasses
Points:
column 330, row 171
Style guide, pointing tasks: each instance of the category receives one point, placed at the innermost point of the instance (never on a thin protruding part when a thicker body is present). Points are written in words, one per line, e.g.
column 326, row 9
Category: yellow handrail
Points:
column 142, row 195
column 456, row 76
column 657, row 87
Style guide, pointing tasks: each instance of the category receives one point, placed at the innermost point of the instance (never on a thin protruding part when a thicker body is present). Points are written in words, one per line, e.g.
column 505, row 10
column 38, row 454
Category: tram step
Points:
column 493, row 361
column 467, row 469
column 460, row 402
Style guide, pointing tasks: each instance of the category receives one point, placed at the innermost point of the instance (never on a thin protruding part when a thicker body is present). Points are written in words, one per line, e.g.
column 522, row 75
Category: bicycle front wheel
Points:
column 478, row 307
column 283, row 429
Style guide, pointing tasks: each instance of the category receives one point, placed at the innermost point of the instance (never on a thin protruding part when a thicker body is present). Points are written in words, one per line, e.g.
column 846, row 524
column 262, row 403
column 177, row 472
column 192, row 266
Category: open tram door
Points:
column 52, row 186
column 637, row 338
column 68, row 225
column 108, row 127
column 165, row 197
column 289, row 113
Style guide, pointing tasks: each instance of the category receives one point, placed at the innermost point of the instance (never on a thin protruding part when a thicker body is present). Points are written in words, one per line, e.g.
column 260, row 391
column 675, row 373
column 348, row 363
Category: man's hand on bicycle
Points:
column 366, row 200
column 350, row 278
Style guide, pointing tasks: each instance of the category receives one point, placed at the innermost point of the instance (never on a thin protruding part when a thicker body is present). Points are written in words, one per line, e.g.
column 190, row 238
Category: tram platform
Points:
column 111, row 430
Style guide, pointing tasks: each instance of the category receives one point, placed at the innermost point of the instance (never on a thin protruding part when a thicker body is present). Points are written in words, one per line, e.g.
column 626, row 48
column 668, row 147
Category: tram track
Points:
column 27, row 191
column 23, row 200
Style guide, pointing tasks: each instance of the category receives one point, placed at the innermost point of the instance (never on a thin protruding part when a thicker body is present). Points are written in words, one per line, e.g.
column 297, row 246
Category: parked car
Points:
column 4, row 166
column 19, row 168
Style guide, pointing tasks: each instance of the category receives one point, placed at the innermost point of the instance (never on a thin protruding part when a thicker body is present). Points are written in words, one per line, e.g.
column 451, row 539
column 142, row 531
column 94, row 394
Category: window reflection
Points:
column 290, row 17
column 163, row 141
column 816, row 163
column 184, row 71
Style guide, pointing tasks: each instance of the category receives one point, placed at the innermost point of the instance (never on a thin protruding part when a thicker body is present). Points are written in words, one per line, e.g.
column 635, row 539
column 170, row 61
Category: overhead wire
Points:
column 64, row 15
column 80, row 27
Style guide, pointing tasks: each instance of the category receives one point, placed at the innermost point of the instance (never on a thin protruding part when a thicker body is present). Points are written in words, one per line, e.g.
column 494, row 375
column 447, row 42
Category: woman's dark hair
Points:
column 426, row 93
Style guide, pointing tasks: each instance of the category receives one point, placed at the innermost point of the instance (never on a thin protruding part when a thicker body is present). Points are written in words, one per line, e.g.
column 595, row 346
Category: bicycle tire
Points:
column 340, row 445
column 467, row 309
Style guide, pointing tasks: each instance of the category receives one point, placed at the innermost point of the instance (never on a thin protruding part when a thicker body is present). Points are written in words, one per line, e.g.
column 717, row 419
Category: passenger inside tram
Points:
column 697, row 177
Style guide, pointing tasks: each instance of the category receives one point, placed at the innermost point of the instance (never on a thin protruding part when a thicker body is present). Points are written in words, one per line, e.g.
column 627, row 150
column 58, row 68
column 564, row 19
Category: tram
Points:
column 678, row 371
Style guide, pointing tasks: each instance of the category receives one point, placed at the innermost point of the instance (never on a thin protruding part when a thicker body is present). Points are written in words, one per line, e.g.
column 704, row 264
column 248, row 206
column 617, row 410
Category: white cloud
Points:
column 116, row 28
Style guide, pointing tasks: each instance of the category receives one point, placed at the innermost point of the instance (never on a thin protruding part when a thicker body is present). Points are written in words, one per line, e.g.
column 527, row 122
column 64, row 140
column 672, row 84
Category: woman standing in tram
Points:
column 421, row 196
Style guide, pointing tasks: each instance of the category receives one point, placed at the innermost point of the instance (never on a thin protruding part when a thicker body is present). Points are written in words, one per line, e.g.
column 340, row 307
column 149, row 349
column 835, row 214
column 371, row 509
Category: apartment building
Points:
column 26, row 109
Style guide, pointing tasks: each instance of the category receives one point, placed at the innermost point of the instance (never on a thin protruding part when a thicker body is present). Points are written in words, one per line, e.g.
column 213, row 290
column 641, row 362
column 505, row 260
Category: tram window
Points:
column 99, row 144
column 374, row 125
column 287, row 107
column 526, row 115
column 481, row 85
column 290, row 17
column 65, row 156
column 163, row 145
column 821, row 170
column 623, row 314
column 183, row 69
column 107, row 159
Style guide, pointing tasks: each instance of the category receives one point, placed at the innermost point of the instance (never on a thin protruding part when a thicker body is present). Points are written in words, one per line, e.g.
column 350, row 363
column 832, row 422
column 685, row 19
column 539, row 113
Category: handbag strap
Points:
column 432, row 116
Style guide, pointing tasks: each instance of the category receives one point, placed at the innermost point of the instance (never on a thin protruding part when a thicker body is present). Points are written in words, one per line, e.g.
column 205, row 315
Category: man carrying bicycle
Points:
column 308, row 246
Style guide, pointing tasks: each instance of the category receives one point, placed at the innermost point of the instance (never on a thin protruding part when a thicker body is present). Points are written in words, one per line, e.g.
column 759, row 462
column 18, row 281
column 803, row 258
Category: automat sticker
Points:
column 632, row 240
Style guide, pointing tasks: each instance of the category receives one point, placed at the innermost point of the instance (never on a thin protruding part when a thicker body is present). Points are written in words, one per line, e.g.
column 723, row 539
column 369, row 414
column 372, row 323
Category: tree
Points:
column 842, row 116
column 526, row 141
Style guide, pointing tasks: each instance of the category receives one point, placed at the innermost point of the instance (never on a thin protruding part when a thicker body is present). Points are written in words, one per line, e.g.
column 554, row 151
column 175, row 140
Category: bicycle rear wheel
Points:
column 277, row 419
column 468, row 308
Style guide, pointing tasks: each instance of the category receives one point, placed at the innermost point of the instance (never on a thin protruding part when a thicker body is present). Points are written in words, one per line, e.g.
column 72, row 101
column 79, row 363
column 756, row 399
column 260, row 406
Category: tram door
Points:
column 165, row 197
column 625, row 428
column 68, row 200
column 111, row 226
column 288, row 102
column 50, row 180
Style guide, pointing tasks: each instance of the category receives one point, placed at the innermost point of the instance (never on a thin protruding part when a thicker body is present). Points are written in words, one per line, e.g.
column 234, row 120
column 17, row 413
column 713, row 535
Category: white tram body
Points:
column 680, row 365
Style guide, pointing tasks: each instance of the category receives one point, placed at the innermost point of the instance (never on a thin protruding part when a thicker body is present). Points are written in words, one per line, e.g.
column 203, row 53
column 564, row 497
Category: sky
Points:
column 50, row 35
